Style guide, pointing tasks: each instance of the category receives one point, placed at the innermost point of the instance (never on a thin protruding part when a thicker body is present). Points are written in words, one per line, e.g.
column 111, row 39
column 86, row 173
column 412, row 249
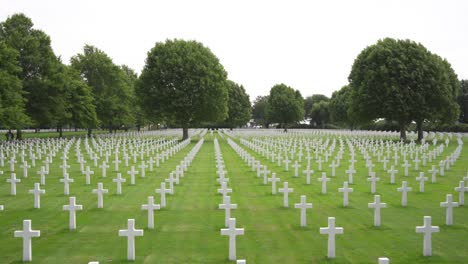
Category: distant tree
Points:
column 259, row 111
column 12, row 101
column 401, row 81
column 463, row 101
column 320, row 113
column 285, row 105
column 183, row 82
column 38, row 66
column 111, row 90
column 131, row 78
column 309, row 102
column 239, row 108
column 339, row 106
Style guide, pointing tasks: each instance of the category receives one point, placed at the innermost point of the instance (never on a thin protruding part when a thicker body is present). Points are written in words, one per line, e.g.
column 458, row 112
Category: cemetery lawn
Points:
column 188, row 229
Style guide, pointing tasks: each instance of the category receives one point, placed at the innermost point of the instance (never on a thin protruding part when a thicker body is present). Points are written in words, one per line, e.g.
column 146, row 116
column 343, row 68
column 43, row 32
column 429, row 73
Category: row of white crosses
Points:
column 230, row 222
column 72, row 207
column 377, row 205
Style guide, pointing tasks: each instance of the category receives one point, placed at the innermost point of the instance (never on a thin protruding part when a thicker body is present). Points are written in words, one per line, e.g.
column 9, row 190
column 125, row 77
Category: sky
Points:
column 307, row 45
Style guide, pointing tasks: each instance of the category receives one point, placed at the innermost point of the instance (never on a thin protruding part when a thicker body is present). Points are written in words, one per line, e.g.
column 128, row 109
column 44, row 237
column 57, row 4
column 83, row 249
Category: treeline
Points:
column 393, row 85
column 183, row 84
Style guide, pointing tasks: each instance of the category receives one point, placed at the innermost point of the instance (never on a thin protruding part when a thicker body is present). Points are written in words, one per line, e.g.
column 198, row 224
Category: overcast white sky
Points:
column 308, row 45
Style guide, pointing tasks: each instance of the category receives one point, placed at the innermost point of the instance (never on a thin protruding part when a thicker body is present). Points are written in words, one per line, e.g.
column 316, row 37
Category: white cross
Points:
column 286, row 162
column 273, row 181
column 350, row 171
column 265, row 175
column 132, row 173
column 285, row 190
column 72, row 207
column 119, row 181
column 433, row 172
column 232, row 232
column 384, row 261
column 143, row 166
column 449, row 211
column 227, row 206
column 42, row 172
column 406, row 165
column 345, row 190
column 25, row 167
column 296, row 169
column 151, row 206
column 442, row 167
column 303, row 206
column 319, row 162
column 66, row 181
column 27, row 233
column 373, row 179
column 324, row 181
column 151, row 162
column 384, row 161
column 307, row 172
column 333, row 166
column 37, row 194
column 377, row 205
column 104, row 167
column 13, row 182
column 224, row 190
column 100, row 191
column 392, row 172
column 171, row 182
column 163, row 192
column 461, row 189
column 88, row 173
column 404, row 189
column 116, row 162
column 331, row 231
column 427, row 229
column 131, row 233
column 416, row 163
column 421, row 180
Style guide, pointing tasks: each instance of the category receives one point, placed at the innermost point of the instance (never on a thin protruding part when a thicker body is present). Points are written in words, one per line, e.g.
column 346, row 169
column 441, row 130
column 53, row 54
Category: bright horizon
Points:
column 307, row 45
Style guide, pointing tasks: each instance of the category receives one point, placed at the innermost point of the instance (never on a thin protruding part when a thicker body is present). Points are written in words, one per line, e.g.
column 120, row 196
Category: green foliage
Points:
column 259, row 111
column 320, row 113
column 401, row 81
column 310, row 101
column 339, row 105
column 239, row 108
column 184, row 83
column 39, row 68
column 463, row 101
column 111, row 87
column 12, row 102
column 285, row 105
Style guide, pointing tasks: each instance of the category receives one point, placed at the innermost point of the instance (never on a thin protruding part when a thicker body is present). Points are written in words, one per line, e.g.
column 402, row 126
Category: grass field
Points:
column 188, row 229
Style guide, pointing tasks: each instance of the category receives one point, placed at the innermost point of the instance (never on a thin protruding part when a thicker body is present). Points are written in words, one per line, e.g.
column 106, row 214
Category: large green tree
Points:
column 110, row 87
column 339, row 106
column 184, row 82
column 402, row 81
column 320, row 113
column 259, row 111
column 12, row 103
column 285, row 105
column 39, row 68
column 309, row 102
column 239, row 108
column 463, row 101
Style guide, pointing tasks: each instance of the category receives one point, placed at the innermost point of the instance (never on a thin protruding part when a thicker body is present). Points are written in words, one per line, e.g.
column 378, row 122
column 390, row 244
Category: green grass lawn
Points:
column 188, row 229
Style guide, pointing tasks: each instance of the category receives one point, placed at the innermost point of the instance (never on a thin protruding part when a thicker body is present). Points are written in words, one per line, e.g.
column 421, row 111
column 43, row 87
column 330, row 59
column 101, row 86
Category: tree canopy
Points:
column 285, row 105
column 239, row 108
column 463, row 101
column 309, row 102
column 184, row 82
column 259, row 111
column 402, row 81
column 339, row 105
column 111, row 87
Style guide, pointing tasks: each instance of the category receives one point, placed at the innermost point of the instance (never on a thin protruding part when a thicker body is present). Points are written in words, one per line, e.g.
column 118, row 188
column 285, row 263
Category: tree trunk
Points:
column 60, row 130
column 419, row 127
column 110, row 128
column 138, row 128
column 19, row 134
column 285, row 127
column 185, row 132
column 89, row 132
column 403, row 132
